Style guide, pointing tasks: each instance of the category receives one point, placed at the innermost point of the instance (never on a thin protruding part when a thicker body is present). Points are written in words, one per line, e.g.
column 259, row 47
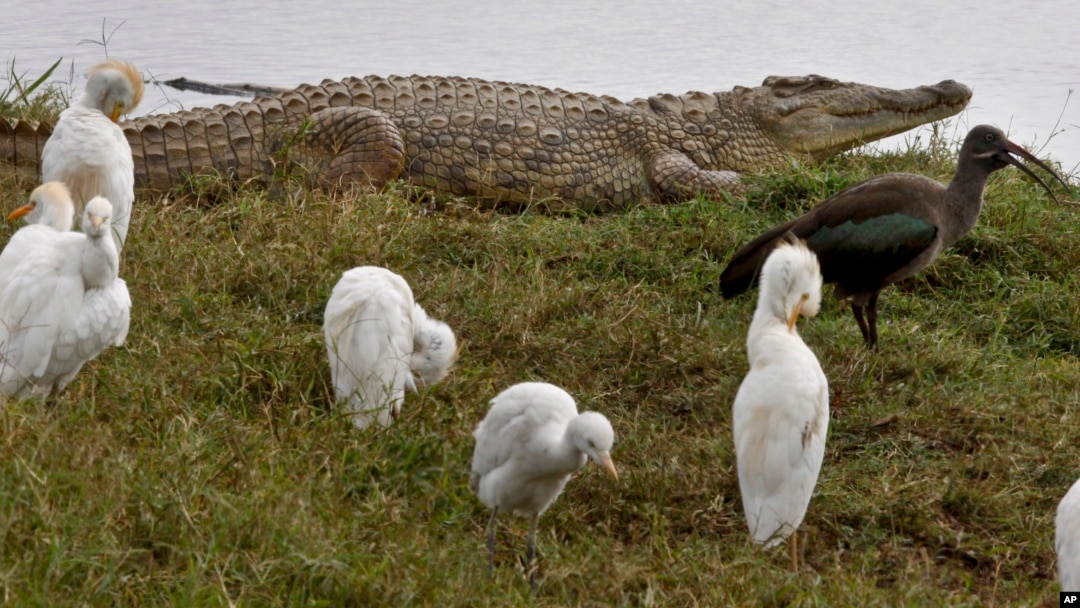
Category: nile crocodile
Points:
column 515, row 143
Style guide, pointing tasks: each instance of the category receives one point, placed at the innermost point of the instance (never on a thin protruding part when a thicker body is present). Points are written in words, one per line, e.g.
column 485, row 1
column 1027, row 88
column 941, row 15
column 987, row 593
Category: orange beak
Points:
column 609, row 466
column 20, row 212
column 118, row 109
column 794, row 316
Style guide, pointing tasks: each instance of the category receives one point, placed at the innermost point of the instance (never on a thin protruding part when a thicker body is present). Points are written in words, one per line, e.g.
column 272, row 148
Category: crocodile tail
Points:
column 744, row 268
column 21, row 142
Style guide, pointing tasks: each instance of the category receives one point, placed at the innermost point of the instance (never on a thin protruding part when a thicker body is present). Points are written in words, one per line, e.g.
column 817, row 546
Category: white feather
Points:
column 527, row 446
column 1067, row 539
column 61, row 302
column 781, row 411
column 530, row 442
column 375, row 337
column 89, row 152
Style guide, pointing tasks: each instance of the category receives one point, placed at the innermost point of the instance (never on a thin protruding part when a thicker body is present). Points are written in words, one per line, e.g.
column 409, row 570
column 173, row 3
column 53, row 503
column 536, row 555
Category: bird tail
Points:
column 744, row 268
column 434, row 347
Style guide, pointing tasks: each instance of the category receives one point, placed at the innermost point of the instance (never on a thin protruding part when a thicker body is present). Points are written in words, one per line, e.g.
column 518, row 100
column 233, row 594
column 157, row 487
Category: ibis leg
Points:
column 857, row 310
column 871, row 319
column 530, row 554
column 491, row 540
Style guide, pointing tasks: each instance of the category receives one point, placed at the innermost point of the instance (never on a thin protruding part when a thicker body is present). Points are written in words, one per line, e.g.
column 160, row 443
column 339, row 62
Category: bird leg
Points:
column 491, row 541
column 530, row 553
column 867, row 323
column 794, row 551
column 871, row 319
column 857, row 310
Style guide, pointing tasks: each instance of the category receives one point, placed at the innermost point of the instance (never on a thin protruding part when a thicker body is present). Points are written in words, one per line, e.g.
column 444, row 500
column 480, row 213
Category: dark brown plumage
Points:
column 888, row 227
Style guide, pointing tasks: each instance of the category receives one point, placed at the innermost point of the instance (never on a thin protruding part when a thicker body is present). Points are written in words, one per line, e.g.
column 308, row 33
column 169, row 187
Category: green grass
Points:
column 32, row 100
column 202, row 463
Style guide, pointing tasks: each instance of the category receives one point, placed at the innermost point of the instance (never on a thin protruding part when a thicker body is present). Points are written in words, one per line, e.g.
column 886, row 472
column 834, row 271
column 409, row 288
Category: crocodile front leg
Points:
column 674, row 177
column 348, row 146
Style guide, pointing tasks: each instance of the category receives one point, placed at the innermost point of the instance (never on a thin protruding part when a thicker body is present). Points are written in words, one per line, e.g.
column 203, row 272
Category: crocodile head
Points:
column 821, row 116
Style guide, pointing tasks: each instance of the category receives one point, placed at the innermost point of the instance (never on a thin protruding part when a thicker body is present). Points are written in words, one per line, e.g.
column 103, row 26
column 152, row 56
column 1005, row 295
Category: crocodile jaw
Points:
column 824, row 116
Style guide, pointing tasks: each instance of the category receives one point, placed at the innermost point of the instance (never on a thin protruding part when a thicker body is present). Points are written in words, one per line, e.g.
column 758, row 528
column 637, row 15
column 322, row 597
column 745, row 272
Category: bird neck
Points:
column 770, row 309
column 100, row 262
column 765, row 330
column 60, row 221
column 964, row 201
column 565, row 456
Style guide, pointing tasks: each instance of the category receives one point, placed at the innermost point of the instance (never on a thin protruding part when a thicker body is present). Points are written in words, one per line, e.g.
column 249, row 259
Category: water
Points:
column 1021, row 59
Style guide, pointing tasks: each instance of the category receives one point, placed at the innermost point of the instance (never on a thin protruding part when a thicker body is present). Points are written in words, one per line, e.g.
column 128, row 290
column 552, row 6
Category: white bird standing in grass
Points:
column 377, row 337
column 781, row 411
column 527, row 446
column 61, row 301
column 87, row 149
column 1067, row 539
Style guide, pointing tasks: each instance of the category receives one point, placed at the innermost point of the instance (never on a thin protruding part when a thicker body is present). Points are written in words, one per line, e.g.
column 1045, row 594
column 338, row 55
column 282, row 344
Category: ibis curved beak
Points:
column 1011, row 148
column 20, row 212
column 609, row 466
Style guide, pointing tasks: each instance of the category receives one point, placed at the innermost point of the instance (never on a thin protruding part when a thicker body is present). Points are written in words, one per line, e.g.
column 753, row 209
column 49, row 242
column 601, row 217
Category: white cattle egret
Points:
column 61, row 301
column 87, row 149
column 377, row 337
column 781, row 411
column 50, row 206
column 527, row 446
column 1067, row 539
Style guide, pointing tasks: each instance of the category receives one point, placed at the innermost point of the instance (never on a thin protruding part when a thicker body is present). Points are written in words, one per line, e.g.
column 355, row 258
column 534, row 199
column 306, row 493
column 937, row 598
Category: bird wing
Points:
column 369, row 338
column 73, row 152
column 780, row 419
column 743, row 269
column 40, row 302
column 868, row 233
column 90, row 154
column 102, row 321
column 871, row 229
column 515, row 423
column 19, row 247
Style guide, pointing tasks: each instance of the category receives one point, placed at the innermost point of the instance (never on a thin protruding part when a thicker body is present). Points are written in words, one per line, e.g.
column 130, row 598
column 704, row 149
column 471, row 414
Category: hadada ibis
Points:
column 888, row 227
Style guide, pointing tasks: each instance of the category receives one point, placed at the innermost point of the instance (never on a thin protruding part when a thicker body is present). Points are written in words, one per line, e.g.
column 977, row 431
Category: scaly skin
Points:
column 515, row 144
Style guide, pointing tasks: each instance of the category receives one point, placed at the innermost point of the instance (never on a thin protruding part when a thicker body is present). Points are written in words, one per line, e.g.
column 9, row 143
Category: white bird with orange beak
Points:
column 527, row 446
column 61, row 301
column 88, row 150
column 781, row 411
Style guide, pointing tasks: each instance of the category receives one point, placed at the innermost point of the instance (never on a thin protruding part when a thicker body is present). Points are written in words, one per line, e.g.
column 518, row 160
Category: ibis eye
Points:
column 989, row 137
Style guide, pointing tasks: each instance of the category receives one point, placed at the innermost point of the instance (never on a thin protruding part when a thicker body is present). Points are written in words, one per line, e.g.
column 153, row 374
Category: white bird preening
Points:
column 1067, row 539
column 87, row 149
column 61, row 301
column 781, row 411
column 527, row 446
column 377, row 337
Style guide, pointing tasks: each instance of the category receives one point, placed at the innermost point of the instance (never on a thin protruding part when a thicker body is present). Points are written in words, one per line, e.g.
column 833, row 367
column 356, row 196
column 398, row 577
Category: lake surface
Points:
column 1021, row 59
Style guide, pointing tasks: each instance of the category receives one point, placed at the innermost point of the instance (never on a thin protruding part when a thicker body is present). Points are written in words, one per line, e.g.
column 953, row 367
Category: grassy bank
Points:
column 202, row 464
